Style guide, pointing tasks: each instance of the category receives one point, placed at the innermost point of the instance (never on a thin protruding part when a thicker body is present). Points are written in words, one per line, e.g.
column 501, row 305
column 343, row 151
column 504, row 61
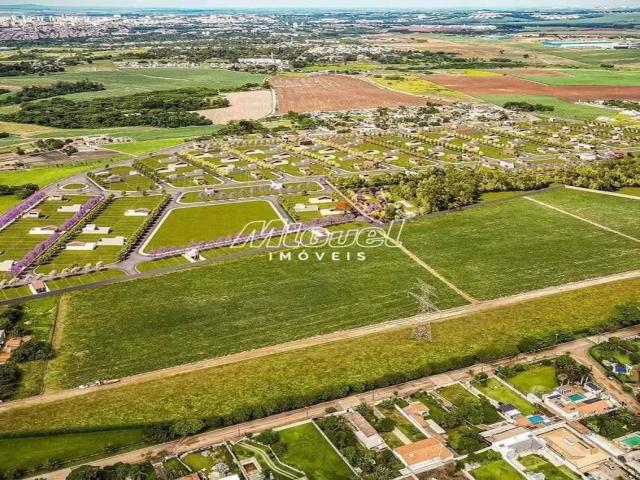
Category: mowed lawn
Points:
column 187, row 225
column 43, row 176
column 309, row 451
column 230, row 307
column 619, row 213
column 501, row 249
column 335, row 369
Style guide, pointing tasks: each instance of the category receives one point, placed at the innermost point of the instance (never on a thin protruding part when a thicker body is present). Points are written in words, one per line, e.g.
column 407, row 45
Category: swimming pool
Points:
column 536, row 419
column 576, row 397
column 632, row 441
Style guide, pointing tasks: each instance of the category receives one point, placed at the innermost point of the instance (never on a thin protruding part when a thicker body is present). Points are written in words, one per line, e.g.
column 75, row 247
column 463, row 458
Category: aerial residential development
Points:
column 319, row 242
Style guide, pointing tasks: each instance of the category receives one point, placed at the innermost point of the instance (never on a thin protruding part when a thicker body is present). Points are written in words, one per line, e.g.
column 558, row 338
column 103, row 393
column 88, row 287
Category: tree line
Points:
column 37, row 92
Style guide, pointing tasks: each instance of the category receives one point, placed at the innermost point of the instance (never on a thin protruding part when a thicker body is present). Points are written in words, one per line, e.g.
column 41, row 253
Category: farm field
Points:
column 505, row 248
column 334, row 92
column 310, row 452
column 621, row 214
column 507, row 85
column 127, row 81
column 29, row 453
column 415, row 85
column 561, row 108
column 334, row 369
column 187, row 225
column 243, row 304
column 251, row 105
column 617, row 78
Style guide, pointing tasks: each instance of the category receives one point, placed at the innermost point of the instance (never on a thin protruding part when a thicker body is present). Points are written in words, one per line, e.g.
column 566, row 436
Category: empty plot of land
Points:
column 251, row 105
column 334, row 92
column 507, row 85
column 503, row 249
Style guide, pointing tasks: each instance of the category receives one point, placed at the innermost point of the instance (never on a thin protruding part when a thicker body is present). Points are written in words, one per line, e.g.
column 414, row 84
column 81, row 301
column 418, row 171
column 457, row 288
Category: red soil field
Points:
column 333, row 93
column 506, row 85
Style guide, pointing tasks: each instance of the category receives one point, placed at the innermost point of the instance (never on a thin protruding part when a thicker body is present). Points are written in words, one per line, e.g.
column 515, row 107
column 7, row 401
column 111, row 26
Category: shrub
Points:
column 33, row 350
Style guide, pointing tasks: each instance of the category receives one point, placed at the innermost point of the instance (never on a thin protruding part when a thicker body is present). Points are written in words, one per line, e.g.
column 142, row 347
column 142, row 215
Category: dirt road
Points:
column 324, row 339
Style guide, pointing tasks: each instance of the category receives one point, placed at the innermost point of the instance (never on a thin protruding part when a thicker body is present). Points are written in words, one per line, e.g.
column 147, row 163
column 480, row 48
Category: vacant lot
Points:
column 334, row 92
column 495, row 389
column 501, row 249
column 187, row 225
column 507, row 85
column 225, row 308
column 310, row 452
column 251, row 105
column 335, row 369
column 538, row 379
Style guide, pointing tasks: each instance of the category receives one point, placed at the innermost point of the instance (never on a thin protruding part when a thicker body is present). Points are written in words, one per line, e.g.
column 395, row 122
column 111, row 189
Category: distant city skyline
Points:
column 331, row 4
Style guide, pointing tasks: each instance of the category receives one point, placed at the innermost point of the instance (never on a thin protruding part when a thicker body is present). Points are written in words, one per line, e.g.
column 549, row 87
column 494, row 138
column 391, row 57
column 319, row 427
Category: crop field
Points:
column 241, row 305
column 114, row 217
column 340, row 367
column 334, row 92
column 310, row 452
column 508, row 85
column 618, row 213
column 15, row 239
column 502, row 249
column 31, row 453
column 127, row 81
column 615, row 78
column 183, row 226
column 561, row 108
column 415, row 85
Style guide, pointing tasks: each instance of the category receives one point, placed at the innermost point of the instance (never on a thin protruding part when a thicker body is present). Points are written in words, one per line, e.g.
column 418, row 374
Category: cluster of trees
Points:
column 272, row 439
column 610, row 175
column 528, row 107
column 169, row 109
column 37, row 92
column 20, row 191
column 51, row 144
column 375, row 465
column 614, row 424
column 165, row 432
column 118, row 471
column 29, row 68
column 625, row 104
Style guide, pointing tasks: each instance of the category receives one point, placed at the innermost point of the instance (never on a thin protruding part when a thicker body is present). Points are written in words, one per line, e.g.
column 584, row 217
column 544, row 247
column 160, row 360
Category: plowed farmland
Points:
column 334, row 93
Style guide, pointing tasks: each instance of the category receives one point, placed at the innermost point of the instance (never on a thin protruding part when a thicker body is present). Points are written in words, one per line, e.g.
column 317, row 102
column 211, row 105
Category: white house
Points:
column 33, row 213
column 322, row 199
column 78, row 245
column 303, row 207
column 137, row 212
column 193, row 255
column 47, row 230
column 75, row 208
column 112, row 241
column 5, row 265
column 93, row 228
column 326, row 212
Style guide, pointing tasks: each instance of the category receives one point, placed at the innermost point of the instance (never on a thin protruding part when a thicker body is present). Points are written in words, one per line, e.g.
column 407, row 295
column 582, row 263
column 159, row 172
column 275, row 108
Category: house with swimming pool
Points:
column 573, row 402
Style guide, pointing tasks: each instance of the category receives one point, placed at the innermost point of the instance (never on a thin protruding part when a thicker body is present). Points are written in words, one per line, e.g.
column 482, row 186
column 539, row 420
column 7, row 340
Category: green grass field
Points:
column 502, row 249
column 310, row 452
column 538, row 464
column 615, row 78
column 561, row 108
column 341, row 367
column 184, row 226
column 7, row 202
column 140, row 134
column 44, row 176
column 496, row 470
column 31, row 454
column 229, row 307
column 127, row 81
column 538, row 379
column 146, row 146
column 618, row 213
column 496, row 390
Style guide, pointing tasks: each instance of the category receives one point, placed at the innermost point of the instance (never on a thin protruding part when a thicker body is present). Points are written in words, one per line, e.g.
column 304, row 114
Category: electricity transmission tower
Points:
column 426, row 296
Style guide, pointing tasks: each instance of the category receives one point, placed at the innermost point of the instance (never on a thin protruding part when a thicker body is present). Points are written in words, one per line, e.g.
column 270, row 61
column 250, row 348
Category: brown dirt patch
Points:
column 506, row 85
column 334, row 93
column 251, row 105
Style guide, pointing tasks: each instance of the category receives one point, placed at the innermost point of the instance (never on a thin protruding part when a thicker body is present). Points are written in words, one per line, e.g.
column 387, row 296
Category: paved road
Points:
column 238, row 431
column 324, row 339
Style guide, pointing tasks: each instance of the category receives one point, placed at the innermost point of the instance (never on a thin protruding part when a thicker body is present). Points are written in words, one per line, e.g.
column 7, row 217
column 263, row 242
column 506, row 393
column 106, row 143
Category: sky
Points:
column 329, row 4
